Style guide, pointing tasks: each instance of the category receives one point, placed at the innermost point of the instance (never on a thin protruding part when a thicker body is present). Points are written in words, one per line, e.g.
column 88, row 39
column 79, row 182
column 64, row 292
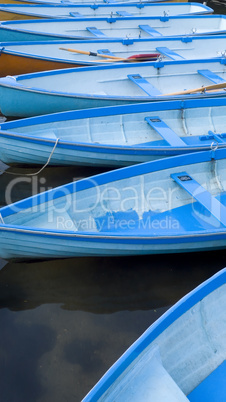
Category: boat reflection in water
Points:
column 65, row 322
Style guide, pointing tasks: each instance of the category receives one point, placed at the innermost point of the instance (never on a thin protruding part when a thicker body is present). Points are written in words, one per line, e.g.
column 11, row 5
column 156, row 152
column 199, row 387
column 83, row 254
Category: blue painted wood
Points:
column 51, row 29
column 164, row 18
column 213, row 388
column 37, row 135
column 203, row 196
column 150, row 31
column 105, row 51
column 75, row 14
column 211, row 76
column 94, row 6
column 59, row 90
column 45, row 236
column 144, row 84
column 165, row 131
column 202, row 47
column 169, row 53
column 57, row 11
column 186, row 39
column 123, row 13
column 220, row 138
column 96, row 32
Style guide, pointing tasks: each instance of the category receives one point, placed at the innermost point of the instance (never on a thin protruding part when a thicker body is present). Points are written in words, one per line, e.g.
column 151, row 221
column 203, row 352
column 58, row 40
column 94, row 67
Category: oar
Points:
column 132, row 59
column 143, row 57
column 90, row 53
column 213, row 87
column 138, row 57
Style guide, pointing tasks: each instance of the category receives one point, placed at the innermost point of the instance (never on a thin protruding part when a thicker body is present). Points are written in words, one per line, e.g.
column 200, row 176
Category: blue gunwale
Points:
column 113, row 5
column 20, row 8
column 108, row 177
column 9, row 25
column 14, row 82
column 183, row 237
column 105, row 237
column 107, row 111
column 124, row 41
column 114, row 110
column 160, row 325
column 5, row 46
column 129, row 149
column 175, row 17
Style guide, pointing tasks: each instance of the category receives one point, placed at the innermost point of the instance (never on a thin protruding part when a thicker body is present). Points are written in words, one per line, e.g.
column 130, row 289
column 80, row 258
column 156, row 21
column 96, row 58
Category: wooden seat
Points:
column 149, row 30
column 123, row 14
column 165, row 131
column 169, row 53
column 75, row 14
column 144, row 84
column 213, row 388
column 201, row 195
column 211, row 76
column 96, row 32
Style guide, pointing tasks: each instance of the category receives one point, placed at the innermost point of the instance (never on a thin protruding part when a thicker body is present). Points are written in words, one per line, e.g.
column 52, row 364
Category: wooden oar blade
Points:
column 144, row 57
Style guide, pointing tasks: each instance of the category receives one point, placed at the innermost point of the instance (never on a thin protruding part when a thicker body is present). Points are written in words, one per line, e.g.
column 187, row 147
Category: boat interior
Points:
column 151, row 204
column 186, row 362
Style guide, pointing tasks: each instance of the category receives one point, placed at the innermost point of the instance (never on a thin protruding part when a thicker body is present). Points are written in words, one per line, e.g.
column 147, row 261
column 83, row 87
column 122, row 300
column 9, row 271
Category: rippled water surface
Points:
column 63, row 323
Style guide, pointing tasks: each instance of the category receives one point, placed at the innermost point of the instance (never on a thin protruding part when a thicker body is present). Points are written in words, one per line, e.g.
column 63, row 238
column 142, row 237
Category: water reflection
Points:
column 19, row 357
column 105, row 285
column 18, row 183
column 63, row 323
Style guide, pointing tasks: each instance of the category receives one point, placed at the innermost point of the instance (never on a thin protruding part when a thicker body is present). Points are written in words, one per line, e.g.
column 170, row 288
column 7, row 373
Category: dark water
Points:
column 63, row 323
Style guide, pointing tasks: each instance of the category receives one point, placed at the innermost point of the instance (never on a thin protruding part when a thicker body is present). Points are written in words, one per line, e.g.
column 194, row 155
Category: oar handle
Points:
column 213, row 87
column 92, row 53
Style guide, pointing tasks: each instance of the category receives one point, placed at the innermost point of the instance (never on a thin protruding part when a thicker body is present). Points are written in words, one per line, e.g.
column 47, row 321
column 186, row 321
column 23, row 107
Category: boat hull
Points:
column 62, row 90
column 22, row 57
column 112, row 28
column 81, row 138
column 8, row 16
column 76, row 11
column 68, row 155
column 21, row 245
column 20, row 2
column 131, row 211
column 11, row 64
column 42, row 103
column 35, row 104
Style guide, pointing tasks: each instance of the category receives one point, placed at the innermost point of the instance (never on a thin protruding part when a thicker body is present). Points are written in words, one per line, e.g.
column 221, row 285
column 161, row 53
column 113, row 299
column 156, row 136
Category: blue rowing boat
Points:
column 29, row 57
column 115, row 136
column 16, row 12
column 181, row 357
column 112, row 28
column 118, row 84
column 81, row 2
column 172, row 205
